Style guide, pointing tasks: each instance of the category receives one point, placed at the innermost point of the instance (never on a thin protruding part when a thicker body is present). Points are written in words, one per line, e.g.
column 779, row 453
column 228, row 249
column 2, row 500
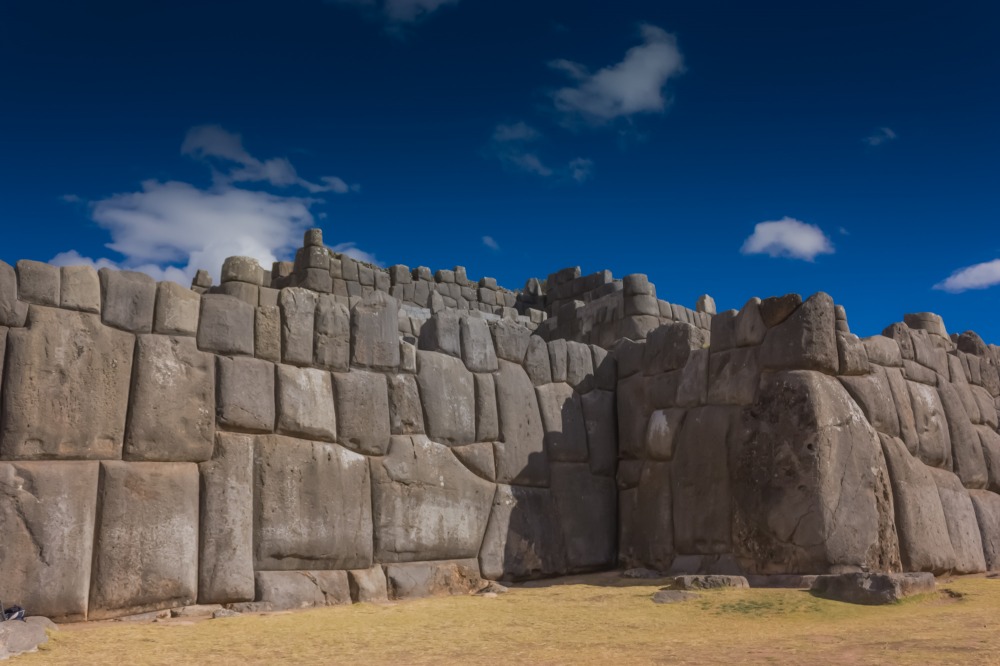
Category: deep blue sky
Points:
column 769, row 119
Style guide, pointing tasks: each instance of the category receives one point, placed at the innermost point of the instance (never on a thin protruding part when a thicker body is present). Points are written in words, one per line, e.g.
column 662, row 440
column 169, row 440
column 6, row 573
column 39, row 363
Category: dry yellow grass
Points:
column 596, row 619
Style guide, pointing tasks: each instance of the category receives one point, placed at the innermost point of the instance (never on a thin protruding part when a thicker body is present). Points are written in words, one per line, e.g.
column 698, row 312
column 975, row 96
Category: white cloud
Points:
column 510, row 144
column 977, row 276
column 71, row 198
column 581, row 169
column 171, row 229
column 353, row 251
column 788, row 237
column 634, row 85
column 397, row 12
column 491, row 243
column 880, row 136
column 213, row 142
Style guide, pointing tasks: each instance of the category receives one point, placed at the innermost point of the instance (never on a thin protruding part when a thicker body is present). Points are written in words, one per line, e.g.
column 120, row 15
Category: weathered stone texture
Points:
column 427, row 579
column 562, row 419
column 960, row 517
column 477, row 345
column 523, row 538
column 587, row 510
column 146, row 541
column 312, row 506
column 298, row 315
column 806, row 340
column 305, row 403
column 225, row 569
column 374, row 332
column 176, row 310
column 172, row 409
column 13, row 312
column 701, row 487
column 226, row 325
column 332, row 346
column 362, row 400
column 80, row 289
column 38, row 282
column 287, row 590
column 426, row 504
column 47, row 514
column 128, row 300
column 65, row 391
column 448, row 394
column 245, row 394
column 405, row 411
column 520, row 453
column 987, row 507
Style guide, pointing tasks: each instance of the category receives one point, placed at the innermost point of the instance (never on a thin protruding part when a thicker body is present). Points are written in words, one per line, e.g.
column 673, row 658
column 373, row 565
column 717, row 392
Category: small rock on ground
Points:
column 200, row 610
column 872, row 589
column 641, row 573
column 673, row 596
column 494, row 588
column 225, row 612
column 709, row 582
column 18, row 637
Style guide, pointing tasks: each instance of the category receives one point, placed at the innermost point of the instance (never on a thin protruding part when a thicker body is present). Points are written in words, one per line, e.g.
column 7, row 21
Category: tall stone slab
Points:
column 448, row 393
column 47, row 513
column 426, row 504
column 587, row 507
column 562, row 418
column 298, row 315
column 520, row 453
column 312, row 506
column 810, row 487
column 65, row 390
column 305, row 403
column 172, row 409
column 332, row 346
column 146, row 541
column 645, row 523
column 374, row 332
column 960, row 516
column 362, row 400
column 523, row 538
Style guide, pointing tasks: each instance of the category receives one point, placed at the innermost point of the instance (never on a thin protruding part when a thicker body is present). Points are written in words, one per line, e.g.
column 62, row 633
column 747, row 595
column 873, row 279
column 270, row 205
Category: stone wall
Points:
column 781, row 443
column 275, row 442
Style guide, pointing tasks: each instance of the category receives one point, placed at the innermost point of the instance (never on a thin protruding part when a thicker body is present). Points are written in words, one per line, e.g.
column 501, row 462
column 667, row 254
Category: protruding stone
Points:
column 313, row 237
column 600, row 420
column 536, row 361
column 245, row 394
column 38, row 282
column 426, row 504
column 805, row 340
column 225, row 569
column 926, row 321
column 65, row 391
column 374, row 332
column 146, row 541
column 405, row 412
column 750, row 326
column 367, row 585
column 705, row 304
column 80, row 289
column 562, row 418
column 127, row 299
column 477, row 345
column 226, row 325
column 312, row 506
column 241, row 269
column 172, row 407
column 176, row 310
column 362, row 411
column 305, row 403
column 777, row 309
column 287, row 590
column 449, row 398
column 415, row 580
column 487, row 421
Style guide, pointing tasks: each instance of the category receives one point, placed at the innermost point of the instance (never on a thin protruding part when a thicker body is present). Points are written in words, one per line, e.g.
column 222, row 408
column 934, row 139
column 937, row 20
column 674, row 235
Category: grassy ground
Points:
column 595, row 619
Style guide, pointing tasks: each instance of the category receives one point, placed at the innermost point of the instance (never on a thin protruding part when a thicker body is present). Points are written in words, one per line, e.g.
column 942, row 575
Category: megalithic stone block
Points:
column 245, row 394
column 225, row 569
column 172, row 402
column 374, row 332
column 177, row 310
column 520, row 453
column 305, row 403
column 448, row 395
column 298, row 315
column 146, row 542
column 128, row 300
column 226, row 325
column 13, row 312
column 66, row 385
column 47, row 512
column 80, row 289
column 362, row 400
column 332, row 346
column 38, row 282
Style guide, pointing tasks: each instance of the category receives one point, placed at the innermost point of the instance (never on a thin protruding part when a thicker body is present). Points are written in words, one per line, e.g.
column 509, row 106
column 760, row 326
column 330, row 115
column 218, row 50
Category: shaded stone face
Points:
column 66, row 385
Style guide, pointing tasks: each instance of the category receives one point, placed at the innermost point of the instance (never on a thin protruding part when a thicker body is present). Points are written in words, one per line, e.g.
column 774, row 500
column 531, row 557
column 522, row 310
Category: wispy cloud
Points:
column 71, row 198
column 353, row 251
column 880, row 136
column 513, row 146
column 491, row 243
column 789, row 238
column 171, row 229
column 977, row 276
column 213, row 143
column 397, row 12
column 635, row 85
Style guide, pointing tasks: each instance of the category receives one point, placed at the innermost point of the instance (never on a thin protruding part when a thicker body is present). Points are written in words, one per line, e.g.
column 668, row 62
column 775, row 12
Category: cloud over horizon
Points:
column 977, row 276
column 633, row 86
column 170, row 229
column 789, row 238
column 880, row 136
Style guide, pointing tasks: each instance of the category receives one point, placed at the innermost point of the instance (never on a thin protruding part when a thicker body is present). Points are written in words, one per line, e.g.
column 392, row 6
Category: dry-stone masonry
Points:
column 330, row 432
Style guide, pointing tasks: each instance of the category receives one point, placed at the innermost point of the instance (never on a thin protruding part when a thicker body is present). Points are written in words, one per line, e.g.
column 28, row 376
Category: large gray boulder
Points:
column 960, row 517
column 367, row 585
column 448, row 393
column 523, row 538
column 987, row 507
column 924, row 542
column 146, row 542
column 80, row 289
column 931, row 425
column 312, row 506
column 510, row 340
column 426, row 504
column 176, row 310
column 128, row 299
column 362, row 411
column 245, row 394
column 288, row 590
column 21, row 637
column 810, row 487
column 872, row 589
column 47, row 514
column 226, row 325
column 520, row 453
column 225, row 565
column 375, row 332
column 414, row 580
column 65, row 392
column 806, row 340
column 305, row 403
column 171, row 416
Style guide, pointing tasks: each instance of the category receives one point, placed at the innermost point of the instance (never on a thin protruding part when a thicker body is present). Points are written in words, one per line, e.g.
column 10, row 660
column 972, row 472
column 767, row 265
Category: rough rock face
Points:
column 278, row 441
column 811, row 491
